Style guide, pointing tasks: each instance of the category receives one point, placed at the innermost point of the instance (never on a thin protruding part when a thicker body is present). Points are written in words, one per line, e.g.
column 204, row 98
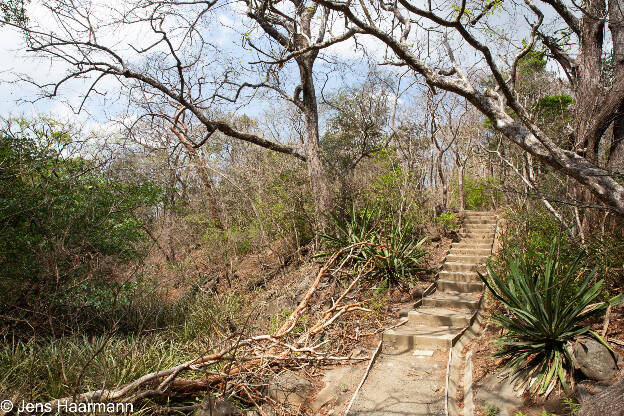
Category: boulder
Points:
column 290, row 389
column 594, row 360
column 608, row 402
column 217, row 407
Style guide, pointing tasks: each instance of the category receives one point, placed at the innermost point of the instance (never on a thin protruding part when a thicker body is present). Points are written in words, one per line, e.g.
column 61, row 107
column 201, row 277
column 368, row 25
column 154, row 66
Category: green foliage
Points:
column 478, row 193
column 487, row 10
column 491, row 409
column 59, row 215
column 532, row 231
column 392, row 250
column 570, row 406
column 547, row 308
column 358, row 126
column 448, row 220
column 41, row 368
column 358, row 227
column 553, row 105
column 533, row 61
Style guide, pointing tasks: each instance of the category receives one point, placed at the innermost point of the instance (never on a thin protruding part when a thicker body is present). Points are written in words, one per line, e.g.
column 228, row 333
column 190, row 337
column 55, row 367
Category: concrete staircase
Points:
column 441, row 318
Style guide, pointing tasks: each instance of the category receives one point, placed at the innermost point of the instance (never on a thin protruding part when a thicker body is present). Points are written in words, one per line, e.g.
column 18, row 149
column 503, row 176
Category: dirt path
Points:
column 404, row 384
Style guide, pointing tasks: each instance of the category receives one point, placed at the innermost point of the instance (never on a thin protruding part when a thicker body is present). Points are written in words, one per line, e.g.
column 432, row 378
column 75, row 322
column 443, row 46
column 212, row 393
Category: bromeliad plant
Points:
column 547, row 307
column 392, row 250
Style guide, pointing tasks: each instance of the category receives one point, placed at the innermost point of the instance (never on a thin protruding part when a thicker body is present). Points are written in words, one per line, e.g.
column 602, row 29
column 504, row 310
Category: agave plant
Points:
column 394, row 252
column 547, row 307
column 399, row 254
column 359, row 226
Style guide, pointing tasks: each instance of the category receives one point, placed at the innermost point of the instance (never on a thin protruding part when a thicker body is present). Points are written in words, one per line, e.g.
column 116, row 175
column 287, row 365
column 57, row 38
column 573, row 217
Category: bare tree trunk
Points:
column 318, row 177
column 442, row 180
column 203, row 174
column 460, row 186
column 590, row 67
column 616, row 27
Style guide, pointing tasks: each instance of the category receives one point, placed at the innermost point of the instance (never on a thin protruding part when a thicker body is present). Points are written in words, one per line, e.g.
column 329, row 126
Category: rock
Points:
column 499, row 392
column 217, row 407
column 416, row 293
column 289, row 388
column 594, row 360
column 586, row 389
column 606, row 403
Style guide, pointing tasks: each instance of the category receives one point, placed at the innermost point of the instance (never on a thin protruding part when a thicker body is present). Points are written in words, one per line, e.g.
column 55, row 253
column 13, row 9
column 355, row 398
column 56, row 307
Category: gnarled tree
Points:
column 467, row 28
column 163, row 54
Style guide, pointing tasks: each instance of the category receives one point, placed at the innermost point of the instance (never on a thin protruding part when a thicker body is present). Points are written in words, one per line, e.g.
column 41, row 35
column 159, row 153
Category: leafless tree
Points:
column 297, row 31
column 467, row 137
column 598, row 104
column 176, row 62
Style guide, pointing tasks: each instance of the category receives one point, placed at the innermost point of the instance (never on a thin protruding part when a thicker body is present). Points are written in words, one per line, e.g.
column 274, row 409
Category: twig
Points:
column 605, row 323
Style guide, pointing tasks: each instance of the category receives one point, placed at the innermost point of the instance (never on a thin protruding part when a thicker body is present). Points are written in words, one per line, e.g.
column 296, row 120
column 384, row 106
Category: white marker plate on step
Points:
column 423, row 353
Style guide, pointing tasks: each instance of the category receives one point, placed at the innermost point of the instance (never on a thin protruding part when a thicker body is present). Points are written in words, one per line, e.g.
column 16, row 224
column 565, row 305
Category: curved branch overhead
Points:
column 492, row 102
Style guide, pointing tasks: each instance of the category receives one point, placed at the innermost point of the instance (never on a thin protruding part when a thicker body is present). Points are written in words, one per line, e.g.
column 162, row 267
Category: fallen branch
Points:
column 259, row 352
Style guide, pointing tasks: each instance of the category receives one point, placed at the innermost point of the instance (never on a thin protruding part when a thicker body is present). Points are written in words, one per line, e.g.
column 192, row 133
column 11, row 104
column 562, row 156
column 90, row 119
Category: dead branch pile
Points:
column 242, row 367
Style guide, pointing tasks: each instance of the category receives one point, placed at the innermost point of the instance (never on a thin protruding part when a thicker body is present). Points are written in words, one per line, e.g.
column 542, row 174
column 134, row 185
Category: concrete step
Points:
column 462, row 287
column 480, row 220
column 466, row 258
column 439, row 317
column 459, row 267
column 479, row 227
column 472, row 244
column 469, row 251
column 475, row 212
column 451, row 301
column 472, row 215
column 458, row 276
column 477, row 235
column 410, row 337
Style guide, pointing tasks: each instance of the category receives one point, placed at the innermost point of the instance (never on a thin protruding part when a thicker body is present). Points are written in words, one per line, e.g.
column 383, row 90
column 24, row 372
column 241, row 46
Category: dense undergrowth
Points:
column 111, row 276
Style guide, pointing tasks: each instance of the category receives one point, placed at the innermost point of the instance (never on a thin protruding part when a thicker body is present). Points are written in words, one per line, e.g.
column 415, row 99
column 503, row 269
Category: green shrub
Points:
column 532, row 232
column 478, row 193
column 359, row 226
column 447, row 220
column 60, row 217
column 547, row 308
column 491, row 409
